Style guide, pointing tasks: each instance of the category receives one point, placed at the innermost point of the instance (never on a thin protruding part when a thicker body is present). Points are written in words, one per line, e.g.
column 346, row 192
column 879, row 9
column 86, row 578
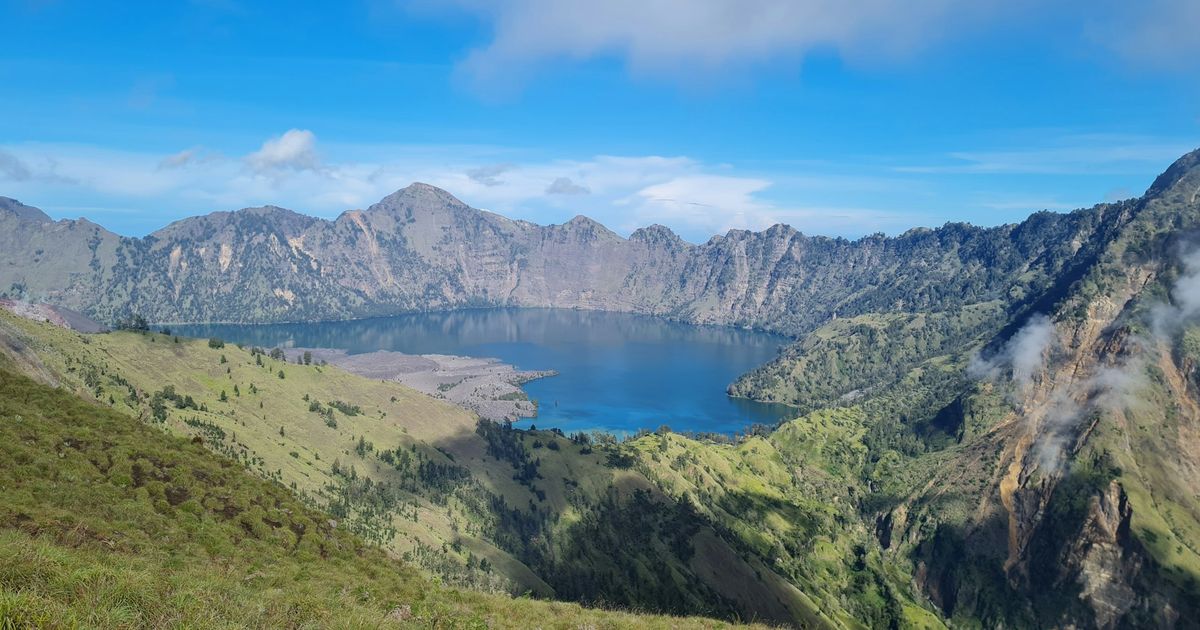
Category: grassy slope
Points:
column 108, row 522
column 251, row 420
column 790, row 498
column 449, row 530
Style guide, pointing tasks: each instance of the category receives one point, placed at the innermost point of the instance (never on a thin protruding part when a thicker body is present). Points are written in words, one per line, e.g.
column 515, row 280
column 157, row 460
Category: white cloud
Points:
column 1099, row 154
column 1024, row 354
column 716, row 203
column 690, row 39
column 1151, row 33
column 18, row 169
column 697, row 199
column 179, row 160
column 13, row 168
column 490, row 175
column 564, row 186
column 296, row 149
column 624, row 192
column 693, row 38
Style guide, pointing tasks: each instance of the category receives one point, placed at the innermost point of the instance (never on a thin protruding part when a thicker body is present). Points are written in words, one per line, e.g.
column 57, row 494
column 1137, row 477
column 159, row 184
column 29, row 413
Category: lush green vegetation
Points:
column 478, row 505
column 108, row 522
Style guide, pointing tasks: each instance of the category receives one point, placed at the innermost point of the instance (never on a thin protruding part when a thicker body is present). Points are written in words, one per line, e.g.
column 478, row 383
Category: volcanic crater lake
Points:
column 617, row 372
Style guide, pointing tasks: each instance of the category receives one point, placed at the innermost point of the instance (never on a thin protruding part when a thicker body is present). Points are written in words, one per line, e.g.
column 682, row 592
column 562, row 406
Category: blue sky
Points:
column 839, row 118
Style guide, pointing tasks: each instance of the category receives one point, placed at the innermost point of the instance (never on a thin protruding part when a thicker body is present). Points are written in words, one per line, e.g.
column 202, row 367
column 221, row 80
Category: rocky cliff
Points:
column 1071, row 495
column 420, row 248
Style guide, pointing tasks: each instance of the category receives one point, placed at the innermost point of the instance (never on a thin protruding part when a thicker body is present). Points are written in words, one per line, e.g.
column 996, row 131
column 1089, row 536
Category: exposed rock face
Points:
column 57, row 315
column 1106, row 556
column 420, row 248
column 1078, row 506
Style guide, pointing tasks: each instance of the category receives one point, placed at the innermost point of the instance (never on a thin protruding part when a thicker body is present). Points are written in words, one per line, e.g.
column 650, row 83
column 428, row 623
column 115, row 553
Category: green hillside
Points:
column 107, row 522
column 473, row 503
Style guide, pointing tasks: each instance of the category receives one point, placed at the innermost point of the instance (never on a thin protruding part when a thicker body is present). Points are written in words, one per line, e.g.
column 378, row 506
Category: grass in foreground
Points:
column 107, row 522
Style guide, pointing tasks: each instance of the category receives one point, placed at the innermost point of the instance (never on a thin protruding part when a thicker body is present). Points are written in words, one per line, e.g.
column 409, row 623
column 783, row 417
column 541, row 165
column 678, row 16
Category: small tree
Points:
column 216, row 343
column 135, row 323
column 307, row 358
column 281, row 374
column 224, row 396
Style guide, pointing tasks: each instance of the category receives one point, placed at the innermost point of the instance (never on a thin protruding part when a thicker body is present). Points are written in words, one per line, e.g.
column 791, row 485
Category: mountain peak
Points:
column 656, row 233
column 420, row 195
column 1180, row 169
column 22, row 211
column 270, row 211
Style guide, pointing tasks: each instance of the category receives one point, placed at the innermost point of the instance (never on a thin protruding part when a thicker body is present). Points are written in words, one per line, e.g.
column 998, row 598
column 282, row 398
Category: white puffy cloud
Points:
column 296, row 149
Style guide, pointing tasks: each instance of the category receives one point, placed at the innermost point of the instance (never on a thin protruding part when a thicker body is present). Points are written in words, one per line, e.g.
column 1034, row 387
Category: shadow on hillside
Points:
column 627, row 544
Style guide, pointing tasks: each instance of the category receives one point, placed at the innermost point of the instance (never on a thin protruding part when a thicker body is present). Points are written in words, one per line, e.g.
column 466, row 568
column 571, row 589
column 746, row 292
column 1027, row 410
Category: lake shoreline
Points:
column 617, row 371
column 487, row 386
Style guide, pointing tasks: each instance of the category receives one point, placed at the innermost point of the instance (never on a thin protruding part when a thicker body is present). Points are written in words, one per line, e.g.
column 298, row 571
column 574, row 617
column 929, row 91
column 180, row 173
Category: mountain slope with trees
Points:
column 108, row 522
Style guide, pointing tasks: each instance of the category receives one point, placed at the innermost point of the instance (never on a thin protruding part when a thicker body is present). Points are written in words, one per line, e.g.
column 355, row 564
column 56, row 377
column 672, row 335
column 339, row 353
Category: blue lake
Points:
column 617, row 372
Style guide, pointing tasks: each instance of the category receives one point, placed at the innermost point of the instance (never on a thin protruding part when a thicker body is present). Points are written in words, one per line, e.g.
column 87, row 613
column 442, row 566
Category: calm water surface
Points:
column 617, row 372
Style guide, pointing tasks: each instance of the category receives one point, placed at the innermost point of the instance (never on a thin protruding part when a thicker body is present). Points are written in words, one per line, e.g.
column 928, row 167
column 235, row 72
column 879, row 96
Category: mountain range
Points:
column 420, row 248
column 996, row 427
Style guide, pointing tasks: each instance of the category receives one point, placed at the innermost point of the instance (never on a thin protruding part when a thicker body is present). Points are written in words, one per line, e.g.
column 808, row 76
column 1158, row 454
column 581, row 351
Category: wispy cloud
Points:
column 1152, row 33
column 1072, row 155
column 13, row 168
column 179, row 160
column 564, row 186
column 296, row 149
column 625, row 192
column 691, row 39
column 490, row 175
column 696, row 198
